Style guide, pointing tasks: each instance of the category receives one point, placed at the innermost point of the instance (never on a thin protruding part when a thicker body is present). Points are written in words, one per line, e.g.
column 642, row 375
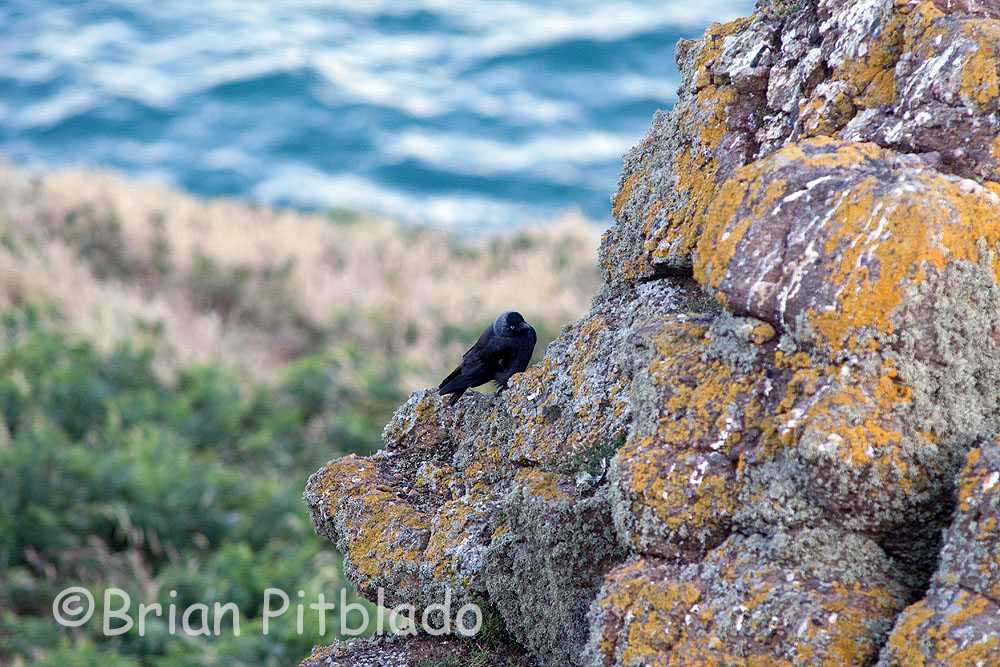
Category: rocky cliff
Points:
column 792, row 368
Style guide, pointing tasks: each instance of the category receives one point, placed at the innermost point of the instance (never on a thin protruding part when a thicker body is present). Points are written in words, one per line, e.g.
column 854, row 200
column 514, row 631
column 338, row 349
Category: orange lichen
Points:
column 904, row 641
column 698, row 392
column 854, row 605
column 900, row 236
column 704, row 407
column 696, row 167
column 872, row 77
column 878, row 240
column 980, row 84
column 655, row 616
column 656, row 610
column 625, row 192
column 973, row 480
column 924, row 637
column 450, row 529
column 711, row 47
column 857, row 83
column 682, row 496
column 696, row 180
column 725, row 237
column 826, row 115
column 542, row 484
column 860, row 425
column 384, row 534
column 762, row 333
column 650, row 215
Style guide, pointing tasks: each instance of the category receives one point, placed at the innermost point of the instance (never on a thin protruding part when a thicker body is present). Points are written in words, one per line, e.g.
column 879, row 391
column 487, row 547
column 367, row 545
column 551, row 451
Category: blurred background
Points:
column 234, row 235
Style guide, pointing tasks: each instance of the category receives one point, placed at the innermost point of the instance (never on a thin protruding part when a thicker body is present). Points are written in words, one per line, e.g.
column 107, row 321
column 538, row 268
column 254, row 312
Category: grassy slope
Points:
column 171, row 370
column 227, row 282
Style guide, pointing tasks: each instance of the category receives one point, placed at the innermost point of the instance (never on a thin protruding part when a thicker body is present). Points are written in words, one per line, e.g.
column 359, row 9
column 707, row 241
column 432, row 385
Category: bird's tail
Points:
column 455, row 396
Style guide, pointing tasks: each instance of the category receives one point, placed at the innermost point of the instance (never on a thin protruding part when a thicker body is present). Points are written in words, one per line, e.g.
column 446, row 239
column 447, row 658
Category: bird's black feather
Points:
column 503, row 349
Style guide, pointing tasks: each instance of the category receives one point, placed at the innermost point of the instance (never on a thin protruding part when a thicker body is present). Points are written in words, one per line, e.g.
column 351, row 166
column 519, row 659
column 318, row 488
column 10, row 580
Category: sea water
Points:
column 471, row 115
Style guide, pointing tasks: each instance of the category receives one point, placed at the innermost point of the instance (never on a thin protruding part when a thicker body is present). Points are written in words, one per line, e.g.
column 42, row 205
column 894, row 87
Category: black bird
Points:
column 503, row 349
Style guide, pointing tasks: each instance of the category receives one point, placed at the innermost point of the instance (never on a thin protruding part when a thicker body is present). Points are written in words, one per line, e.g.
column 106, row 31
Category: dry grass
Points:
column 254, row 288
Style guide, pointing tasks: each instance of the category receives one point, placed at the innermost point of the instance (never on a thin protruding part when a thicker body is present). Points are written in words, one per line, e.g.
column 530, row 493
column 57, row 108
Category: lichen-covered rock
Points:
column 698, row 393
column 550, row 529
column 485, row 500
column 797, row 345
column 916, row 76
column 974, row 7
column 414, row 652
column 958, row 621
column 846, row 248
column 382, row 511
column 824, row 237
column 669, row 179
column 947, row 92
column 807, row 598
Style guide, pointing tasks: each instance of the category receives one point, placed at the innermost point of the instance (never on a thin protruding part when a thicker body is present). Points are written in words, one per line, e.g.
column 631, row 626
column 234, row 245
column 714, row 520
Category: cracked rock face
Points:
column 795, row 353
column 810, row 597
column 958, row 621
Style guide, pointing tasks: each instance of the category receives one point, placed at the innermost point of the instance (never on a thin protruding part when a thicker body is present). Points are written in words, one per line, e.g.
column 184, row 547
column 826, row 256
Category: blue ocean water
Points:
column 464, row 114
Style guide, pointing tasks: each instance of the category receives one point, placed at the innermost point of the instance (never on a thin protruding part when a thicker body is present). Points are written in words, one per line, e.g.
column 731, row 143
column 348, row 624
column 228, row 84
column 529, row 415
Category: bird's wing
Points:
column 472, row 373
column 485, row 340
column 476, row 367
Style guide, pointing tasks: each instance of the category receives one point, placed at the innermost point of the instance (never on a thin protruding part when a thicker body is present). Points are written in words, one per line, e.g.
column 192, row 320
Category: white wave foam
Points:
column 553, row 156
column 194, row 46
column 310, row 187
column 637, row 86
column 223, row 41
column 427, row 94
column 54, row 110
column 69, row 44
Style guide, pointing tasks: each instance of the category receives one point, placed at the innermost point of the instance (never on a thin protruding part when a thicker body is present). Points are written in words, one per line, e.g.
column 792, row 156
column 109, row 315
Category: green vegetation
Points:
column 703, row 304
column 111, row 476
column 200, row 360
column 594, row 459
column 783, row 8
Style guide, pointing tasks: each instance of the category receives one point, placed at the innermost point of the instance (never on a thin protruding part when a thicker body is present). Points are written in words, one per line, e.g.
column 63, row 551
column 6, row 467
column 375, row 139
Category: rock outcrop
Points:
column 747, row 452
column 415, row 652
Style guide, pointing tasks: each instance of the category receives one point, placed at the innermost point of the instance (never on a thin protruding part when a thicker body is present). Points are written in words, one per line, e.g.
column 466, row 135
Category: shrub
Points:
column 111, row 476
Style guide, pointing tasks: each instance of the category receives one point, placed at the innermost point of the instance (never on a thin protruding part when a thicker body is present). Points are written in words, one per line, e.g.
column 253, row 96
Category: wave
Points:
column 466, row 213
column 501, row 109
column 545, row 155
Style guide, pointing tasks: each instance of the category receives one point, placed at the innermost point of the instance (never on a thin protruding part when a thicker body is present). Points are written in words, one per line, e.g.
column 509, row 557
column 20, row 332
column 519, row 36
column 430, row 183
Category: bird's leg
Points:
column 502, row 383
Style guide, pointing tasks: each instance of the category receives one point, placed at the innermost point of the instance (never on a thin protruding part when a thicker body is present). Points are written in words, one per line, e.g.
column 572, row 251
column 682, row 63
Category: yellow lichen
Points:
column 625, row 192
column 382, row 535
column 980, row 83
column 711, row 47
column 878, row 240
column 762, row 333
column 696, row 168
column 658, row 608
column 651, row 618
column 542, row 484
column 826, row 115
